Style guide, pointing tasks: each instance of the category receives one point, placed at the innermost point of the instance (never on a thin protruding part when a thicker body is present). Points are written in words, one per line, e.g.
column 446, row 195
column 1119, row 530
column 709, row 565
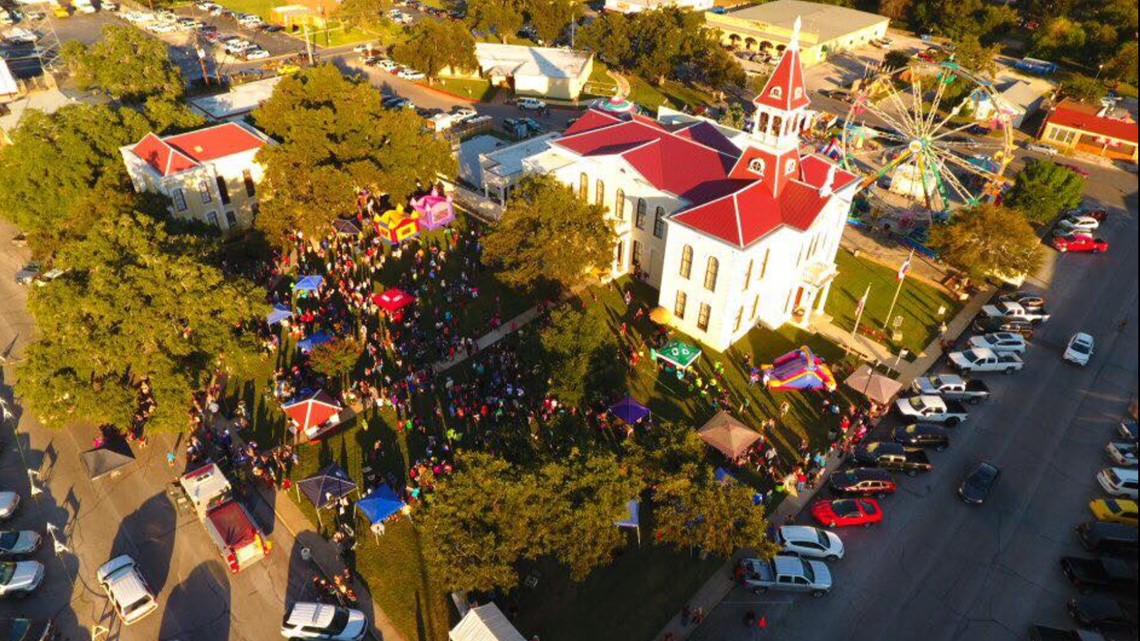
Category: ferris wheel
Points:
column 928, row 136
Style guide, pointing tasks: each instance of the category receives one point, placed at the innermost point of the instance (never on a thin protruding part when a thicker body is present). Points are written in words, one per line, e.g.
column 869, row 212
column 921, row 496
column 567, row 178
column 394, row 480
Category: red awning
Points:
column 393, row 299
column 313, row 410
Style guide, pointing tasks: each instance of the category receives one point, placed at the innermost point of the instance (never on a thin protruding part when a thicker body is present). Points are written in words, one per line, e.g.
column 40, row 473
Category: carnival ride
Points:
column 798, row 370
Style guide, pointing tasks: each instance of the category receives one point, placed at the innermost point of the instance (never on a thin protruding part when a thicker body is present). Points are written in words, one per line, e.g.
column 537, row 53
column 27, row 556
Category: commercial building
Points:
column 238, row 102
column 1013, row 100
column 732, row 228
column 543, row 72
column 1074, row 126
column 210, row 175
column 825, row 29
column 635, row 6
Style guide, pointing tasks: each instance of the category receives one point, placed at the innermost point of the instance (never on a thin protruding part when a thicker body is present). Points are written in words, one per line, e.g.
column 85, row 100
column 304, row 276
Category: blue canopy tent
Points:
column 633, row 519
column 279, row 313
column 629, row 410
column 326, row 487
column 379, row 504
column 308, row 283
column 723, row 476
column 306, row 345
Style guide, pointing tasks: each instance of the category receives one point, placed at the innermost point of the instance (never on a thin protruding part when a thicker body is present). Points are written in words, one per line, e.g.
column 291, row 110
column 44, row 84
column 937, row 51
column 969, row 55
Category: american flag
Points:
column 905, row 266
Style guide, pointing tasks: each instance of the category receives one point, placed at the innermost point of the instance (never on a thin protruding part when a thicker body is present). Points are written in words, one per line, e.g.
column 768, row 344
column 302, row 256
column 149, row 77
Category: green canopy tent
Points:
column 677, row 353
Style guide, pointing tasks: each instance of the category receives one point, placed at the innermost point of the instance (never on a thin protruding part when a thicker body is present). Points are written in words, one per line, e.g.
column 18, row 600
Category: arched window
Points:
column 686, row 261
column 777, row 126
column 600, row 193
column 776, row 92
column 756, row 166
column 639, row 218
column 711, row 269
column 790, row 167
column 619, row 205
column 659, row 222
column 583, row 186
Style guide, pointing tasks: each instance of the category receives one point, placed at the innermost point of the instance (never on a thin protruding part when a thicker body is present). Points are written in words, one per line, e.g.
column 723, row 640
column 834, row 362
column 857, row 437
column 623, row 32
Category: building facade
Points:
column 733, row 229
column 1076, row 127
column 636, row 6
column 826, row 29
column 210, row 175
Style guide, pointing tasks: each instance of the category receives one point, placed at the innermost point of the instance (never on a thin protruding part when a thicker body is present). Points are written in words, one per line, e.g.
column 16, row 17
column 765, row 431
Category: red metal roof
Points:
column 785, row 89
column 1077, row 116
column 178, row 153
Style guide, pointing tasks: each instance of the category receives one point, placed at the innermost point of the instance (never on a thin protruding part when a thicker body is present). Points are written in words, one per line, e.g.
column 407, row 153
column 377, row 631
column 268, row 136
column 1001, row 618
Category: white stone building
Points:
column 636, row 6
column 210, row 175
column 733, row 229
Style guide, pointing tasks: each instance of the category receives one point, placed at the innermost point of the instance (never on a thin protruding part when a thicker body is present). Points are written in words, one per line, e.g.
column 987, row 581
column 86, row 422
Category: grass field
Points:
column 334, row 36
column 917, row 305
column 474, row 88
column 670, row 93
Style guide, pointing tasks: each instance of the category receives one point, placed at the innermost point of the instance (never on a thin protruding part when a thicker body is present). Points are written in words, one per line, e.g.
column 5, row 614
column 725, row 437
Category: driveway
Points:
column 939, row 570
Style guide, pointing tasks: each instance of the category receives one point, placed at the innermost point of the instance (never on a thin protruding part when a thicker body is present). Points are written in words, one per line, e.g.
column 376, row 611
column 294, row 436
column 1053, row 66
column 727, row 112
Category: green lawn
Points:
column 335, row 35
column 918, row 302
column 474, row 88
column 671, row 93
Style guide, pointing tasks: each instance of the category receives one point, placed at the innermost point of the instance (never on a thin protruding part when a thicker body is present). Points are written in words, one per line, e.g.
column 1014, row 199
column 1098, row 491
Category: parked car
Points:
column 18, row 579
column 256, row 53
column 1002, row 342
column 1015, row 310
column 531, row 104
column 1045, row 633
column 1103, row 614
column 388, row 65
column 1079, row 242
column 847, row 512
column 411, row 74
column 1027, row 299
column 786, row 574
column 1122, row 453
column 21, row 629
column 952, row 387
column 1080, row 349
column 892, row 456
column 983, row 360
column 1075, row 169
column 1076, row 223
column 322, row 621
column 863, row 481
column 979, row 130
column 9, row 503
column 126, row 588
column 1114, row 511
column 464, row 113
column 1112, row 539
column 979, row 483
column 1102, row 573
column 366, row 48
column 17, row 544
column 922, row 435
column 1015, row 325
column 809, row 542
column 1118, row 481
column 1127, row 429
column 1041, row 148
column 932, row 409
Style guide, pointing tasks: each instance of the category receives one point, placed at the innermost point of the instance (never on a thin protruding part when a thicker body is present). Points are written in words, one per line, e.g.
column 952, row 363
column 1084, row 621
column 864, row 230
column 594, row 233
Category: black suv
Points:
column 922, row 435
column 1015, row 325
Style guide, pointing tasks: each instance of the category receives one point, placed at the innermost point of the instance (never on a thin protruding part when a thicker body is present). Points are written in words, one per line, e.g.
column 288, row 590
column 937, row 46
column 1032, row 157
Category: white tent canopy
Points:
column 485, row 623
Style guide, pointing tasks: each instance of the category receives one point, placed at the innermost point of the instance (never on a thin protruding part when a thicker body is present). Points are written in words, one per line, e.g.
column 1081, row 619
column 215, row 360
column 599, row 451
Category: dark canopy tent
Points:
column 326, row 487
column 108, row 459
column 629, row 410
column 346, row 227
column 379, row 504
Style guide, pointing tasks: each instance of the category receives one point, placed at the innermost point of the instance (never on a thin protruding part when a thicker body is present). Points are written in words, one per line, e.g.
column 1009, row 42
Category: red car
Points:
column 1079, row 243
column 844, row 512
column 1075, row 169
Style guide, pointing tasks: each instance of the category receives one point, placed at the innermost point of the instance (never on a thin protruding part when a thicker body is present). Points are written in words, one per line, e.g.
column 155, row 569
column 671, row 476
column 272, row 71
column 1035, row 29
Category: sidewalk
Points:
column 489, row 339
column 720, row 584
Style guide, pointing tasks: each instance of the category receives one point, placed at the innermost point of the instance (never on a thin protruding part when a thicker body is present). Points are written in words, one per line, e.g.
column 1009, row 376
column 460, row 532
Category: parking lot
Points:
column 938, row 569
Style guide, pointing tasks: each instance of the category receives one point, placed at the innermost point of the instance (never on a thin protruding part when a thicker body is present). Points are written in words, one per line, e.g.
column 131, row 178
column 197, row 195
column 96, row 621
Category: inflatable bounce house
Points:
column 434, row 210
column 799, row 370
column 396, row 225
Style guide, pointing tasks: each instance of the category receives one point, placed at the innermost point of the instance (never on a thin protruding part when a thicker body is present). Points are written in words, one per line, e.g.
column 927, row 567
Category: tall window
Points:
column 659, row 222
column 636, row 259
column 711, row 269
column 619, row 205
column 755, row 306
column 619, row 253
column 748, row 275
column 600, row 193
column 179, row 199
column 764, row 264
column 212, row 218
column 223, row 190
column 247, row 179
column 679, row 305
column 583, row 186
column 739, row 319
column 703, row 317
column 639, row 218
column 686, row 261
column 231, row 219
column 204, row 190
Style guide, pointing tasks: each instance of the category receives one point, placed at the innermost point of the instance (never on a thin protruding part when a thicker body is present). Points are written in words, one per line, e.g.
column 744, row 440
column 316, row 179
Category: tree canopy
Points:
column 989, row 240
column 435, row 45
column 582, row 356
column 364, row 14
column 1043, row 189
column 547, row 234
column 503, row 18
column 550, row 18
column 63, row 171
column 490, row 515
column 137, row 301
column 335, row 138
column 125, row 63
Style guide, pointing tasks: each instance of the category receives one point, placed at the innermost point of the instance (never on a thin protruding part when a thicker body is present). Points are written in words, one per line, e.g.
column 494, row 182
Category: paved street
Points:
column 937, row 569
column 199, row 599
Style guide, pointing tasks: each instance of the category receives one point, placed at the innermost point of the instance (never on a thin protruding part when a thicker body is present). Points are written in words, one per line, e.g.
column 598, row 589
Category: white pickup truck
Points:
column 787, row 574
column 932, row 409
column 985, row 360
column 952, row 387
column 1015, row 310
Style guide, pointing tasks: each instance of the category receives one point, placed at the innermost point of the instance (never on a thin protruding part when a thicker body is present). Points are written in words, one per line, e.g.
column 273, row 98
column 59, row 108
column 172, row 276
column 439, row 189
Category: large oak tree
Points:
column 989, row 241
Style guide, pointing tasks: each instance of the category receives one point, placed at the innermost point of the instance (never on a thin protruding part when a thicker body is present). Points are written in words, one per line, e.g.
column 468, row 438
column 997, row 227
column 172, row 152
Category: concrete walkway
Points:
column 718, row 586
column 489, row 339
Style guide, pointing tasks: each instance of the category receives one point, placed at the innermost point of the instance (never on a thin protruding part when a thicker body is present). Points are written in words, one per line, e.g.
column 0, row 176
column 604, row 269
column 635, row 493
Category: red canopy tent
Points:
column 393, row 300
column 313, row 414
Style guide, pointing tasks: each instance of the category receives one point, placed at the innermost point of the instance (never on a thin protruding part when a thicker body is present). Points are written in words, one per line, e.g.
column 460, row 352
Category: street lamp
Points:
column 1099, row 68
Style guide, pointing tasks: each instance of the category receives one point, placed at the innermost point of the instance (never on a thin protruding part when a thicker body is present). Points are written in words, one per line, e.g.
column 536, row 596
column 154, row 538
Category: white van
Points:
column 1118, row 481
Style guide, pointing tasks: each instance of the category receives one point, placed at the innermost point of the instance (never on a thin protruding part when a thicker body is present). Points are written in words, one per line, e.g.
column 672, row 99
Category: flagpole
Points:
column 859, row 316
column 902, row 277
